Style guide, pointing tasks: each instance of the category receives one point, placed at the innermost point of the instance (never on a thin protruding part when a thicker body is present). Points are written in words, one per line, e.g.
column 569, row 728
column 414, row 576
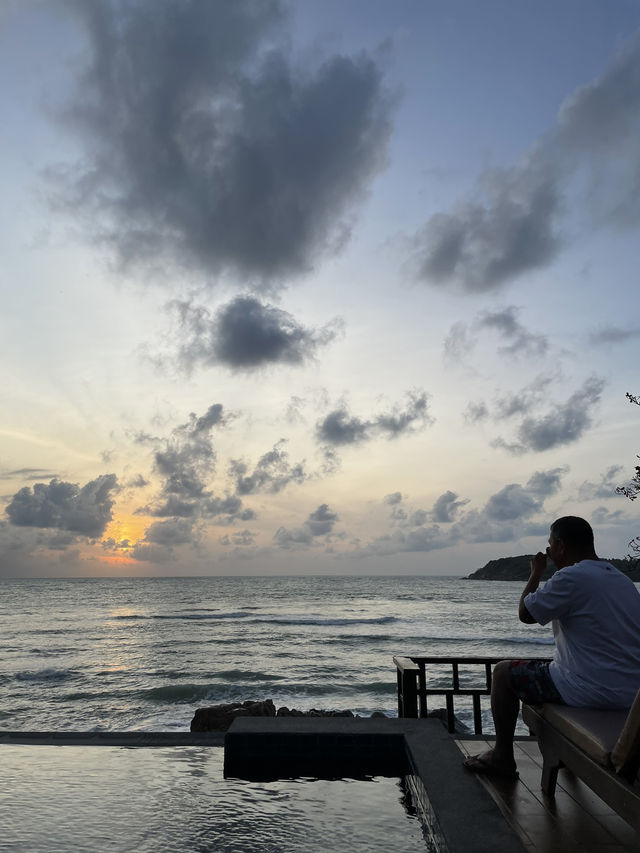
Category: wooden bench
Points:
column 600, row 747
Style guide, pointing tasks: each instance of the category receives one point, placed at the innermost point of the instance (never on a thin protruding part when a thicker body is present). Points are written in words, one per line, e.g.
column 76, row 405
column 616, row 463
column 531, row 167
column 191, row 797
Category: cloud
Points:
column 420, row 539
column 272, row 473
column 459, row 342
column 476, row 412
column 243, row 539
column 320, row 523
column 86, row 510
column 506, row 230
column 462, row 338
column 605, row 487
column 447, row 507
column 230, row 506
column 511, row 223
column 520, row 340
column 612, row 335
column 246, row 334
column 205, row 144
column 185, row 461
column 524, row 401
column 175, row 531
column 566, row 424
column 339, row 427
column 508, row 514
column 28, row 474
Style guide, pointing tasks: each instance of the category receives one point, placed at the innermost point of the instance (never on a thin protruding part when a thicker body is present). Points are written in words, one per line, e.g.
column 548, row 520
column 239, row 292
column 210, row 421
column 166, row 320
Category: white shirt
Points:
column 596, row 624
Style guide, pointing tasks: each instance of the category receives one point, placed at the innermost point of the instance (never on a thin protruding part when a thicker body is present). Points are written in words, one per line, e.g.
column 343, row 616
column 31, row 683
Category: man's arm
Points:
column 538, row 566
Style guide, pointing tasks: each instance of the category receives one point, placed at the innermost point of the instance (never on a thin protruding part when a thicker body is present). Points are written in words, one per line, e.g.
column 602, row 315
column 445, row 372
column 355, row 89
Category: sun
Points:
column 126, row 530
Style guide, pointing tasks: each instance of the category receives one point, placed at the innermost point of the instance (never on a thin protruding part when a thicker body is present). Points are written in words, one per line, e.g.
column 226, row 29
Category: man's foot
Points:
column 486, row 765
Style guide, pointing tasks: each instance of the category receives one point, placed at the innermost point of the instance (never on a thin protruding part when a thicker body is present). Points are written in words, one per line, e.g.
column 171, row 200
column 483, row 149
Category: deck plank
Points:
column 575, row 821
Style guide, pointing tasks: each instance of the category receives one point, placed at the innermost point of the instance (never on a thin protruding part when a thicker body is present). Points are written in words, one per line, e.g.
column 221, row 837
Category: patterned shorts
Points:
column 532, row 682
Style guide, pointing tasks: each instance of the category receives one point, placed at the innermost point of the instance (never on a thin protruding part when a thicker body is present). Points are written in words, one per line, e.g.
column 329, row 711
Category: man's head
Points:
column 570, row 540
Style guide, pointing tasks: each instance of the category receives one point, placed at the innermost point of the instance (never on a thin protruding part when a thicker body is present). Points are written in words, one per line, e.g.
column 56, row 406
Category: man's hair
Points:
column 575, row 532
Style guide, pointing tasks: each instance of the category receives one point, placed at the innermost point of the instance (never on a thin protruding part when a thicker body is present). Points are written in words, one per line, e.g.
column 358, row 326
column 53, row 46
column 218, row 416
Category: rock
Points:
column 441, row 714
column 378, row 714
column 314, row 712
column 218, row 718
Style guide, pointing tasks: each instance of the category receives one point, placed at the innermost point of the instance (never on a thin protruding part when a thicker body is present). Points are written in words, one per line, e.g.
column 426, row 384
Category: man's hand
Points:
column 538, row 565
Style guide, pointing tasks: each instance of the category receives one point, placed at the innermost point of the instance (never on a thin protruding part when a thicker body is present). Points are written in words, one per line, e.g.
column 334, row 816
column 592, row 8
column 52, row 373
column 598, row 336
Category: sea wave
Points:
column 266, row 619
column 128, row 617
column 49, row 674
column 318, row 620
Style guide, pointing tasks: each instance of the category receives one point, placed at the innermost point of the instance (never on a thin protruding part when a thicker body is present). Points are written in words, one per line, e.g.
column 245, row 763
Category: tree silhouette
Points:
column 632, row 489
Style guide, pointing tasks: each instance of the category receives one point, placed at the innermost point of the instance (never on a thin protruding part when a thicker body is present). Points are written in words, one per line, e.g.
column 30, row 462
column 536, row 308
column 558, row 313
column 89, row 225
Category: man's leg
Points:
column 505, row 707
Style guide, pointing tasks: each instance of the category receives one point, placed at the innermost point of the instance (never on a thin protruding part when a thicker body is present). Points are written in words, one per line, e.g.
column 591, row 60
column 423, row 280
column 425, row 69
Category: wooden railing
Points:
column 414, row 687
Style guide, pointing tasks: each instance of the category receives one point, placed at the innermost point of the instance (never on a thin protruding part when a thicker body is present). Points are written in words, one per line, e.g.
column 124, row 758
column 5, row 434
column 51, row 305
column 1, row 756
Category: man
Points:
column 595, row 613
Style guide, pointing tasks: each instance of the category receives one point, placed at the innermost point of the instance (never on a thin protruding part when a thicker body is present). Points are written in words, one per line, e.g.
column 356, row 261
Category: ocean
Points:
column 117, row 654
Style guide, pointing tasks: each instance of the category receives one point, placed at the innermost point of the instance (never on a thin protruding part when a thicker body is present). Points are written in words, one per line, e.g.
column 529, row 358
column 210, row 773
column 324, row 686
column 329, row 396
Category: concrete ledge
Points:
column 269, row 748
column 459, row 815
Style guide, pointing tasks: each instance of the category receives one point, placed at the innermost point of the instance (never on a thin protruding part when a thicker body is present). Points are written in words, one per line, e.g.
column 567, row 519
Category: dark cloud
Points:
column 447, row 507
column 508, row 229
column 272, row 473
column 28, row 474
column 508, row 515
column 399, row 420
column 608, row 335
column 319, row 523
column 186, row 462
column 175, row 531
column 230, row 505
column 419, row 539
column 565, row 424
column 246, row 334
column 205, row 144
column 524, row 401
column 512, row 502
column 444, row 510
column 339, row 427
column 520, row 341
column 85, row 510
column 418, row 518
column 511, row 223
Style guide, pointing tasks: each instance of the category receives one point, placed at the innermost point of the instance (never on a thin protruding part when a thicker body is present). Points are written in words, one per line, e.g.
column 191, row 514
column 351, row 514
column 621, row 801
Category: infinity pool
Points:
column 56, row 799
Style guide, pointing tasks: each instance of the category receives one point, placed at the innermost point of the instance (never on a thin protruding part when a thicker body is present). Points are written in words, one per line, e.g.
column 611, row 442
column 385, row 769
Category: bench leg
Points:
column 550, row 767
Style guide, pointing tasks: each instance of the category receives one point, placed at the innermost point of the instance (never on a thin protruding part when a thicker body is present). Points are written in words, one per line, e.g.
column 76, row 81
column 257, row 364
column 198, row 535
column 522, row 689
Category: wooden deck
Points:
column 576, row 820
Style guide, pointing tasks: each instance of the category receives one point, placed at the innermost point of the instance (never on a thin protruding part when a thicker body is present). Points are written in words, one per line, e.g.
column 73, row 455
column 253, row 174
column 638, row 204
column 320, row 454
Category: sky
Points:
column 315, row 287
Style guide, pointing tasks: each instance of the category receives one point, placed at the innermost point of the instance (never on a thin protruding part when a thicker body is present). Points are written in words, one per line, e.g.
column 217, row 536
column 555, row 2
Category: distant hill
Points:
column 517, row 569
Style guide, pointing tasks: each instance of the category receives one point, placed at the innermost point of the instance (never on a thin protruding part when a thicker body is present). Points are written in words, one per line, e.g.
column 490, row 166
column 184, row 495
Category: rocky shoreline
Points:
column 517, row 569
column 218, row 718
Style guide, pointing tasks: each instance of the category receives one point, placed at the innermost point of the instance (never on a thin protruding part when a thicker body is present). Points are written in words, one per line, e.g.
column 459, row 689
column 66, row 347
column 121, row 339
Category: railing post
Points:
column 409, row 694
column 407, row 676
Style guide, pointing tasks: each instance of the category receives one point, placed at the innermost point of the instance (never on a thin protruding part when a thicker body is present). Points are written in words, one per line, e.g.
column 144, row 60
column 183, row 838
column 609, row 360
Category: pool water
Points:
column 175, row 799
